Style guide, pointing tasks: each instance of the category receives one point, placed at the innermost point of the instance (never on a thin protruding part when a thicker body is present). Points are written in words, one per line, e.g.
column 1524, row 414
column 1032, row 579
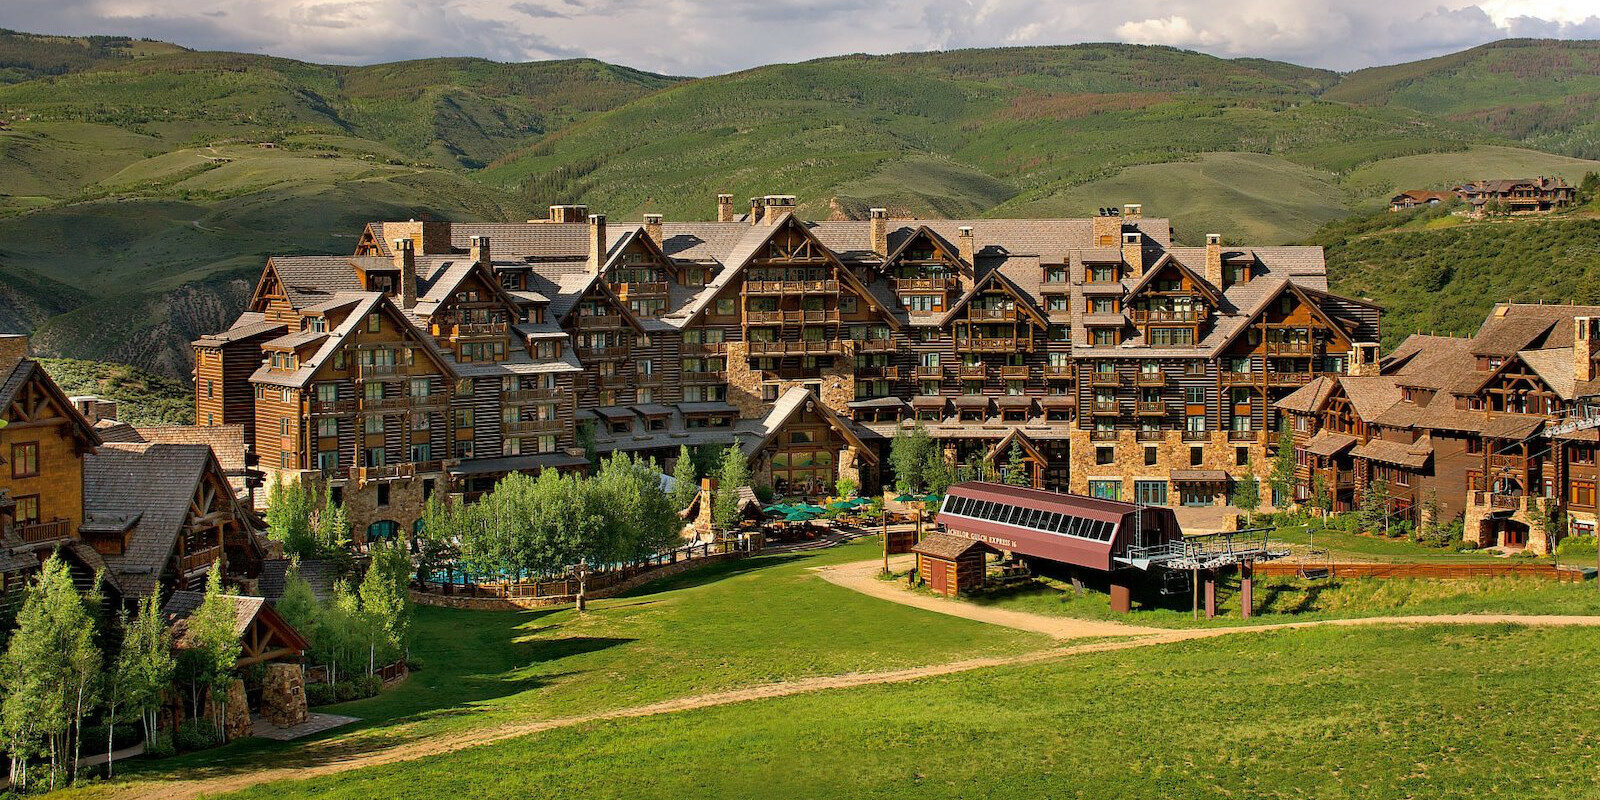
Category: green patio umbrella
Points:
column 779, row 509
column 858, row 502
column 839, row 505
column 799, row 515
column 811, row 508
column 905, row 498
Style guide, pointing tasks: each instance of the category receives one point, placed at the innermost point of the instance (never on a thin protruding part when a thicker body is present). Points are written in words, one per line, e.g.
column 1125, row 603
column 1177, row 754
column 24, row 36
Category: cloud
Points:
column 699, row 37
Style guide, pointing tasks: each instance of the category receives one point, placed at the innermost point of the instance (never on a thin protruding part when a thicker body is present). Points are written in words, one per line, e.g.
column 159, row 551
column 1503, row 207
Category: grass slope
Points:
column 142, row 398
column 1413, row 712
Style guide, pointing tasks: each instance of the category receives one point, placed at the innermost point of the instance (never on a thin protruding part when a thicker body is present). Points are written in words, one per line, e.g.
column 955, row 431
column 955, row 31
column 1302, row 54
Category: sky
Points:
column 705, row 37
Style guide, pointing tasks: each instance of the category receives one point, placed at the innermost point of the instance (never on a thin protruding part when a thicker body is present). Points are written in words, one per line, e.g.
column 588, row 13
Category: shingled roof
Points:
column 154, row 483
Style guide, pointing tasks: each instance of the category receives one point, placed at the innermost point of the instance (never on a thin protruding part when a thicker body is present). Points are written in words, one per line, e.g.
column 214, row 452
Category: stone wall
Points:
column 838, row 382
column 1172, row 453
column 523, row 603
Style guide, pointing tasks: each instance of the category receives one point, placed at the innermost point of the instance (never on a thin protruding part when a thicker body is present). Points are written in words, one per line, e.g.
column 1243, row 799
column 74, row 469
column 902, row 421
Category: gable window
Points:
column 374, row 323
column 24, row 459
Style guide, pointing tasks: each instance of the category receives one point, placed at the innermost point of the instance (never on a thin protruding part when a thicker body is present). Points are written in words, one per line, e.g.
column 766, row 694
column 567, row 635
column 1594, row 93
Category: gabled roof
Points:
column 246, row 610
column 1020, row 439
column 791, row 404
column 995, row 277
column 923, row 231
column 1211, row 292
column 366, row 303
column 15, row 379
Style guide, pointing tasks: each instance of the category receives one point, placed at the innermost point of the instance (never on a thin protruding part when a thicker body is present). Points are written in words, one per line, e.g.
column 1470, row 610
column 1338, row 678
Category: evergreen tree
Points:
column 1017, row 469
column 686, row 480
column 333, row 527
column 1373, row 511
column 1283, row 463
column 733, row 473
column 936, row 473
column 289, row 509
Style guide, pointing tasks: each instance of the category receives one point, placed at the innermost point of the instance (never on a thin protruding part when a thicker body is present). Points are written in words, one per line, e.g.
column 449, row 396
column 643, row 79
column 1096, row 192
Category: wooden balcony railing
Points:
column 1196, row 436
column 1243, row 436
column 703, row 378
column 529, row 395
column 797, row 348
column 925, row 284
column 925, row 372
column 876, row 344
column 1058, row 371
column 603, row 353
column 990, row 314
column 972, row 372
column 812, row 317
column 1105, row 408
column 1102, row 378
column 613, row 381
column 332, row 406
column 703, row 348
column 646, row 289
column 481, row 329
column 984, row 344
column 199, row 559
column 1502, row 461
column 1143, row 316
column 527, row 426
column 791, row 287
column 598, row 322
column 1098, row 435
column 1146, row 408
column 47, row 531
column 1240, row 378
column 1149, row 435
column 375, row 371
column 1143, row 378
column 1289, row 348
column 1012, row 372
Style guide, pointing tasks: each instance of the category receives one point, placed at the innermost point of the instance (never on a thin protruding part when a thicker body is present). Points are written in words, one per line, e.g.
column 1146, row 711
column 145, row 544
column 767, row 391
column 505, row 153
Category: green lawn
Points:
column 719, row 627
column 1342, row 545
column 1435, row 712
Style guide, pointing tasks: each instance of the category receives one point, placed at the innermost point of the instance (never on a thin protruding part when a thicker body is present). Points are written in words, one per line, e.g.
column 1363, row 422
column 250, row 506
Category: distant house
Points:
column 1519, row 195
column 1413, row 198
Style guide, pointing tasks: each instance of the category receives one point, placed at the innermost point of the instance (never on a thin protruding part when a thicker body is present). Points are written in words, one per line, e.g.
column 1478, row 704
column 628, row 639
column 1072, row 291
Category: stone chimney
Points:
column 478, row 251
column 1133, row 252
column 757, row 209
column 1106, row 228
column 724, row 208
column 13, row 346
column 1364, row 362
column 652, row 227
column 879, row 218
column 94, row 408
column 1585, row 347
column 405, row 259
column 965, row 246
column 568, row 213
column 777, row 206
column 1132, row 211
column 1214, row 259
column 597, row 242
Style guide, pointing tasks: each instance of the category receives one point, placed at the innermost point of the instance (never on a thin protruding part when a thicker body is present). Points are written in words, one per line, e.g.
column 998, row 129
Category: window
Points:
column 1582, row 494
column 1102, row 273
column 1105, row 490
column 374, row 323
column 1241, row 456
column 1103, row 337
column 375, row 424
column 421, row 388
column 1149, row 456
column 328, row 460
column 1105, row 455
column 727, row 307
column 1102, row 305
column 1195, row 395
column 383, row 494
column 513, row 447
column 464, row 418
column 28, row 509
column 328, row 428
column 1150, row 493
column 1197, row 456
column 327, row 392
column 24, row 459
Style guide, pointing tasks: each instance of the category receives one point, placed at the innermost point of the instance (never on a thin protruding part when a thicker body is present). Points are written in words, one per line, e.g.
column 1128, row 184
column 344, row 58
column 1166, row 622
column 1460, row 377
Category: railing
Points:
column 1105, row 407
column 1290, row 348
column 791, row 287
column 613, row 381
column 529, row 395
column 381, row 472
column 369, row 371
column 991, row 314
column 1144, row 435
column 925, row 284
column 524, row 426
column 876, row 344
column 1101, row 378
column 1058, row 371
column 1243, row 436
column 1196, row 436
column 925, row 372
column 205, row 557
column 1157, row 378
column 979, row 344
column 332, row 406
column 972, row 372
column 703, row 348
column 797, row 348
column 1239, row 378
column 812, row 317
column 1141, row 316
column 649, row 288
column 48, row 531
column 1098, row 435
column 1508, row 461
column 603, row 353
column 591, row 322
column 1012, row 372
column 649, row 379
column 888, row 373
column 1289, row 378
column 385, row 403
column 1147, row 408
column 481, row 329
column 702, row 378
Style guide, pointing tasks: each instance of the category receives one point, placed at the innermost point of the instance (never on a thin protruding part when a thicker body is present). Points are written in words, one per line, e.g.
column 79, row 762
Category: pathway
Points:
column 331, row 757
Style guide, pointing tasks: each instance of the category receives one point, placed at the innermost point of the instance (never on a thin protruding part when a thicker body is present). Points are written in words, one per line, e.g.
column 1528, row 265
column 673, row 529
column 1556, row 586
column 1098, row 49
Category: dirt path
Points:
column 334, row 756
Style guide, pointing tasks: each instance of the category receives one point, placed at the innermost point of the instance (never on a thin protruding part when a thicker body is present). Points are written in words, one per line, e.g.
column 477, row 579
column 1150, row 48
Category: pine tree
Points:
column 289, row 509
column 733, row 473
column 333, row 527
column 1016, row 468
column 1373, row 511
column 686, row 480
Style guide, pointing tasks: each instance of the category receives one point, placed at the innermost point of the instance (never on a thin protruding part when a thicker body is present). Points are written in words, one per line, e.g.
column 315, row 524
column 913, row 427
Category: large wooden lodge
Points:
column 439, row 356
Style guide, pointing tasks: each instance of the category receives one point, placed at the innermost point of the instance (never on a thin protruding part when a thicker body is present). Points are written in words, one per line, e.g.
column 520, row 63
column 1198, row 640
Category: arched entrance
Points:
column 383, row 530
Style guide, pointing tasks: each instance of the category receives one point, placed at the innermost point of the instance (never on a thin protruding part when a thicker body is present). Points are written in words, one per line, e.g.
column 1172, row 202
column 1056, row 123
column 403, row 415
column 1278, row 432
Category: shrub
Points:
column 161, row 746
column 319, row 694
column 764, row 493
column 368, row 685
column 196, row 734
column 1576, row 547
column 344, row 690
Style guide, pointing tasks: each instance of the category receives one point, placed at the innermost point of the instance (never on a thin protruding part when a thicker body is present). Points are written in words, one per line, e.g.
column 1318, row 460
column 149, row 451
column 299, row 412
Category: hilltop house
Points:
column 1464, row 427
column 1518, row 195
column 439, row 356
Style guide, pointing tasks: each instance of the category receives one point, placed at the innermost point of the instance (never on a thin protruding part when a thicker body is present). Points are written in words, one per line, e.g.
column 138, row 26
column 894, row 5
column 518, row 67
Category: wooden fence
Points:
column 1409, row 570
column 596, row 580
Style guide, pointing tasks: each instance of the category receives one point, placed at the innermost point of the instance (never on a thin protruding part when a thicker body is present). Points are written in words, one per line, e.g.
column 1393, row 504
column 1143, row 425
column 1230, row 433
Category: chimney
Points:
column 1363, row 360
column 479, row 251
column 1106, row 228
column 597, row 242
column 1585, row 346
column 1133, row 252
column 777, row 206
column 880, row 230
column 724, row 208
column 13, row 346
column 1214, row 259
column 567, row 213
column 405, row 259
column 968, row 251
column 652, row 227
column 94, row 408
column 1133, row 211
column 756, row 209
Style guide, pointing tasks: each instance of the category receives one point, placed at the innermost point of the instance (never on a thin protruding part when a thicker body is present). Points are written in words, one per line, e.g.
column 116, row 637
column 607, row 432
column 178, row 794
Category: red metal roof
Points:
column 1071, row 529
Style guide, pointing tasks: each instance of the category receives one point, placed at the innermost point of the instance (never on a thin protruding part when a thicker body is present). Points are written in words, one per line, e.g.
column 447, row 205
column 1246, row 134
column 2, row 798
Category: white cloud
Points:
column 700, row 37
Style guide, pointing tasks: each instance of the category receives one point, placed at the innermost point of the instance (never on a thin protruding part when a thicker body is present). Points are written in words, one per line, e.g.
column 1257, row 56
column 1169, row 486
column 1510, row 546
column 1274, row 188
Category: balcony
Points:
column 332, row 406
column 925, row 284
column 611, row 353
column 1150, row 435
column 529, row 395
column 1014, row 372
column 886, row 373
column 972, row 372
column 1505, row 502
column 924, row 372
column 1196, row 436
column 990, row 314
column 613, row 381
column 703, row 378
column 1102, row 378
column 199, row 559
column 1143, row 378
column 1240, row 378
column 1105, row 408
column 1515, row 462
column 1151, row 409
column 1290, row 348
column 821, row 347
column 980, row 344
column 368, row 372
column 876, row 344
column 648, row 289
column 703, row 348
column 649, row 379
column 399, row 403
column 48, row 531
column 791, row 287
column 598, row 322
column 381, row 472
column 1058, row 372
column 1143, row 316
column 1098, row 435
column 1244, row 436
column 474, row 329
column 524, row 427
column 814, row 317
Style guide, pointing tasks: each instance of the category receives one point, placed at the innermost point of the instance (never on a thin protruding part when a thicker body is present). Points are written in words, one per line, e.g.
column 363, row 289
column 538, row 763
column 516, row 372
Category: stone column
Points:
column 283, row 695
column 236, row 712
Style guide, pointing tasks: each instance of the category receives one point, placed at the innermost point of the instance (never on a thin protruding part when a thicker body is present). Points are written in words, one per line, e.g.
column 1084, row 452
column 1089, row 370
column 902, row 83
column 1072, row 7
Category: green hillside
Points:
column 142, row 398
column 1543, row 93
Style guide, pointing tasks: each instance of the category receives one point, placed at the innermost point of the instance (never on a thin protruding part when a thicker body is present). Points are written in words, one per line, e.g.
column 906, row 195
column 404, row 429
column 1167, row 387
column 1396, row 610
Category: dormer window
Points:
column 1102, row 273
column 317, row 324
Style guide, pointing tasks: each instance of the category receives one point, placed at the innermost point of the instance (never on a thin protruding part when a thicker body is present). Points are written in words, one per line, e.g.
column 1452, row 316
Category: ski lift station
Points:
column 1125, row 544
